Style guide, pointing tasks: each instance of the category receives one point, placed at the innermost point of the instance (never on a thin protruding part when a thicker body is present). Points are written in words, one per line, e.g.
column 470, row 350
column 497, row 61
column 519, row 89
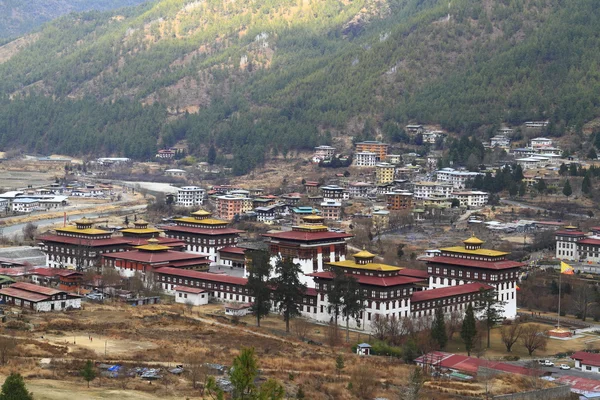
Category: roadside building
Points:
column 39, row 298
column 587, row 362
column 381, row 219
column 457, row 178
column 190, row 196
column 423, row 190
column 229, row 206
column 25, row 205
column 414, row 128
column 165, row 154
column 471, row 198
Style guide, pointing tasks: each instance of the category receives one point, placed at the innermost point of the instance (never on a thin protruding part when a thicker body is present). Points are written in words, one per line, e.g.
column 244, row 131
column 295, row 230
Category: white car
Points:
column 548, row 363
column 564, row 366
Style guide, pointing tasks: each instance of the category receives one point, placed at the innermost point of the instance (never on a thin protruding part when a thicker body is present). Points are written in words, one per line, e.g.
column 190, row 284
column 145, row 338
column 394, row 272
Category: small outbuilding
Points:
column 190, row 295
column 587, row 362
column 238, row 309
column 363, row 349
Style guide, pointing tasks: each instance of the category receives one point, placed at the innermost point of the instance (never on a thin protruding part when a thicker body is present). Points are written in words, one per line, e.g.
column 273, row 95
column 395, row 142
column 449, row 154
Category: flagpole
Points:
column 559, row 289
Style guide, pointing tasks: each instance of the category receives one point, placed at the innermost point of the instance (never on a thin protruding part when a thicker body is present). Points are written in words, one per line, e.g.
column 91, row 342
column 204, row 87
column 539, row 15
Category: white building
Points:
column 587, row 362
column 323, row 153
column 432, row 136
column 457, row 178
column 423, row 190
column 540, row 142
column 25, row 205
column 536, row 124
column 501, row 141
column 359, row 189
column 190, row 295
column 39, row 298
column 175, row 172
column 190, row 196
column 365, row 159
column 472, row 198
column 533, row 162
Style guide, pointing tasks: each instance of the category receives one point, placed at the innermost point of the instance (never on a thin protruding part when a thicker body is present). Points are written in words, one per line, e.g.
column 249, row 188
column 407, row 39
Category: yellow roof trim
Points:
column 153, row 247
column 141, row 230
column 206, row 221
column 473, row 240
column 478, row 252
column 201, row 213
column 364, row 254
column 369, row 266
column 85, row 231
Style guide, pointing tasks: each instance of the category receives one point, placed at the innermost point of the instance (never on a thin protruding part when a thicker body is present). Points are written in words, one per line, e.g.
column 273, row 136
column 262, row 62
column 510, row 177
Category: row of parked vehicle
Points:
column 548, row 363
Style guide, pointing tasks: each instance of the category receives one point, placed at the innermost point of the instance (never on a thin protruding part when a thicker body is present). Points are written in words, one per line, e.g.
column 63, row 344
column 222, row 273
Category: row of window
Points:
column 467, row 274
column 193, row 239
column 203, row 284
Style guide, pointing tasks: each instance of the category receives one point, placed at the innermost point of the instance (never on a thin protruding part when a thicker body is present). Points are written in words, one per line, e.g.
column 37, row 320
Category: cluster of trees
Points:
column 509, row 177
column 253, row 111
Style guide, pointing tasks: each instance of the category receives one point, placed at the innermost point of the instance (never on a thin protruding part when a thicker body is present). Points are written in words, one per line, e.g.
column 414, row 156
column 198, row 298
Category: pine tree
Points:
column 522, row 189
column 289, row 290
column 586, row 184
column 339, row 364
column 468, row 332
column 243, row 373
column 541, row 186
column 438, row 329
column 14, row 388
column 212, row 155
column 563, row 170
column 567, row 190
column 88, row 372
column 259, row 268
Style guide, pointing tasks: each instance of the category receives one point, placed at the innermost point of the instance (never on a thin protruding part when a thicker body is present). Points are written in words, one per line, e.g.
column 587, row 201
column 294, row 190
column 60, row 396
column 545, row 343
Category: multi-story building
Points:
column 152, row 255
column 501, row 141
column 141, row 232
column 202, row 233
column 333, row 192
column 381, row 219
column 432, row 136
column 365, row 159
column 331, row 210
column 470, row 263
column 379, row 148
column 384, row 173
column 472, row 198
column 310, row 244
column 457, row 178
column 540, row 142
column 165, row 154
column 424, row 190
column 229, row 206
column 567, row 243
column 80, row 246
column 359, row 189
column 190, row 196
column 323, row 153
column 536, row 124
column 399, row 200
column 414, row 129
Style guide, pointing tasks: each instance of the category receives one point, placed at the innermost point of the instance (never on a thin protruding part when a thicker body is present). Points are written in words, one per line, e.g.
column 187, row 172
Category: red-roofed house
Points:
column 232, row 256
column 38, row 298
column 588, row 362
column 190, row 295
column 65, row 279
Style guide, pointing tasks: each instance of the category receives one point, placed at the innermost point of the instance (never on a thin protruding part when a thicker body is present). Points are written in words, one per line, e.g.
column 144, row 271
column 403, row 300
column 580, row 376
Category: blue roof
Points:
column 364, row 345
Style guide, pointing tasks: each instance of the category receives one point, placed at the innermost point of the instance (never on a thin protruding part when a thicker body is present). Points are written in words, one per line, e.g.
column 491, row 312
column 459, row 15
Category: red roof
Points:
column 53, row 272
column 42, row 271
column 373, row 280
column 581, row 385
column 201, row 231
column 23, row 294
column 310, row 292
column 232, row 249
column 587, row 358
column 158, row 256
column 450, row 291
column 416, row 273
column 84, row 242
column 30, row 287
column 308, row 236
column 497, row 265
column 595, row 242
column 570, row 233
column 207, row 276
column 188, row 289
column 166, row 241
column 471, row 364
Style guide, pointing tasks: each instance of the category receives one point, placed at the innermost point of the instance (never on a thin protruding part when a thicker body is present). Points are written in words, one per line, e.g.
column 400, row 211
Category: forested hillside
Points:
column 258, row 77
column 18, row 17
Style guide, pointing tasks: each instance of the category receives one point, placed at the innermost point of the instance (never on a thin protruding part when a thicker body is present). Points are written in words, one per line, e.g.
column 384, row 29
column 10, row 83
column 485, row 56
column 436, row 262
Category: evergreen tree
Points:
column 259, row 270
column 518, row 173
column 243, row 374
column 339, row 364
column 468, row 332
column 573, row 169
column 14, row 388
column 563, row 170
column 345, row 297
column 522, row 189
column 586, row 184
column 212, row 154
column 88, row 372
column 567, row 190
column 438, row 329
column 289, row 290
column 491, row 310
column 513, row 190
column 592, row 154
column 541, row 186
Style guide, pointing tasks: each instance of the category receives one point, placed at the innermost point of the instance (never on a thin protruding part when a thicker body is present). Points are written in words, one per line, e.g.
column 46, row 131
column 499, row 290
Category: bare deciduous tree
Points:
column 454, row 323
column 301, row 327
column 363, row 381
column 197, row 371
column 533, row 338
column 510, row 334
column 7, row 348
column 30, row 231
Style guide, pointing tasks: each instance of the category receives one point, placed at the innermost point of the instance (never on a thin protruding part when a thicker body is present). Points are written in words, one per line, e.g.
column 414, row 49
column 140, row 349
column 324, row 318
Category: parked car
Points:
column 564, row 366
column 548, row 363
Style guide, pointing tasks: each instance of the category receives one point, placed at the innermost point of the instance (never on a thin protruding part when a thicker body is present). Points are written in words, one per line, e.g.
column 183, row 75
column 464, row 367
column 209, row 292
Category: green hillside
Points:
column 259, row 77
column 18, row 17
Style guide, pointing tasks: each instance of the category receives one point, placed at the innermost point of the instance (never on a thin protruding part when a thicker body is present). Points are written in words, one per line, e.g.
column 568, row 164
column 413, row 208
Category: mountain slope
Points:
column 18, row 17
column 278, row 75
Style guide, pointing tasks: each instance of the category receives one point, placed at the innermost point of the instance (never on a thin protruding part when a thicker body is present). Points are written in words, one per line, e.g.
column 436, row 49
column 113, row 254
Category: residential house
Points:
column 380, row 149
column 331, row 210
column 190, row 196
column 39, row 298
column 384, row 173
column 365, row 159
